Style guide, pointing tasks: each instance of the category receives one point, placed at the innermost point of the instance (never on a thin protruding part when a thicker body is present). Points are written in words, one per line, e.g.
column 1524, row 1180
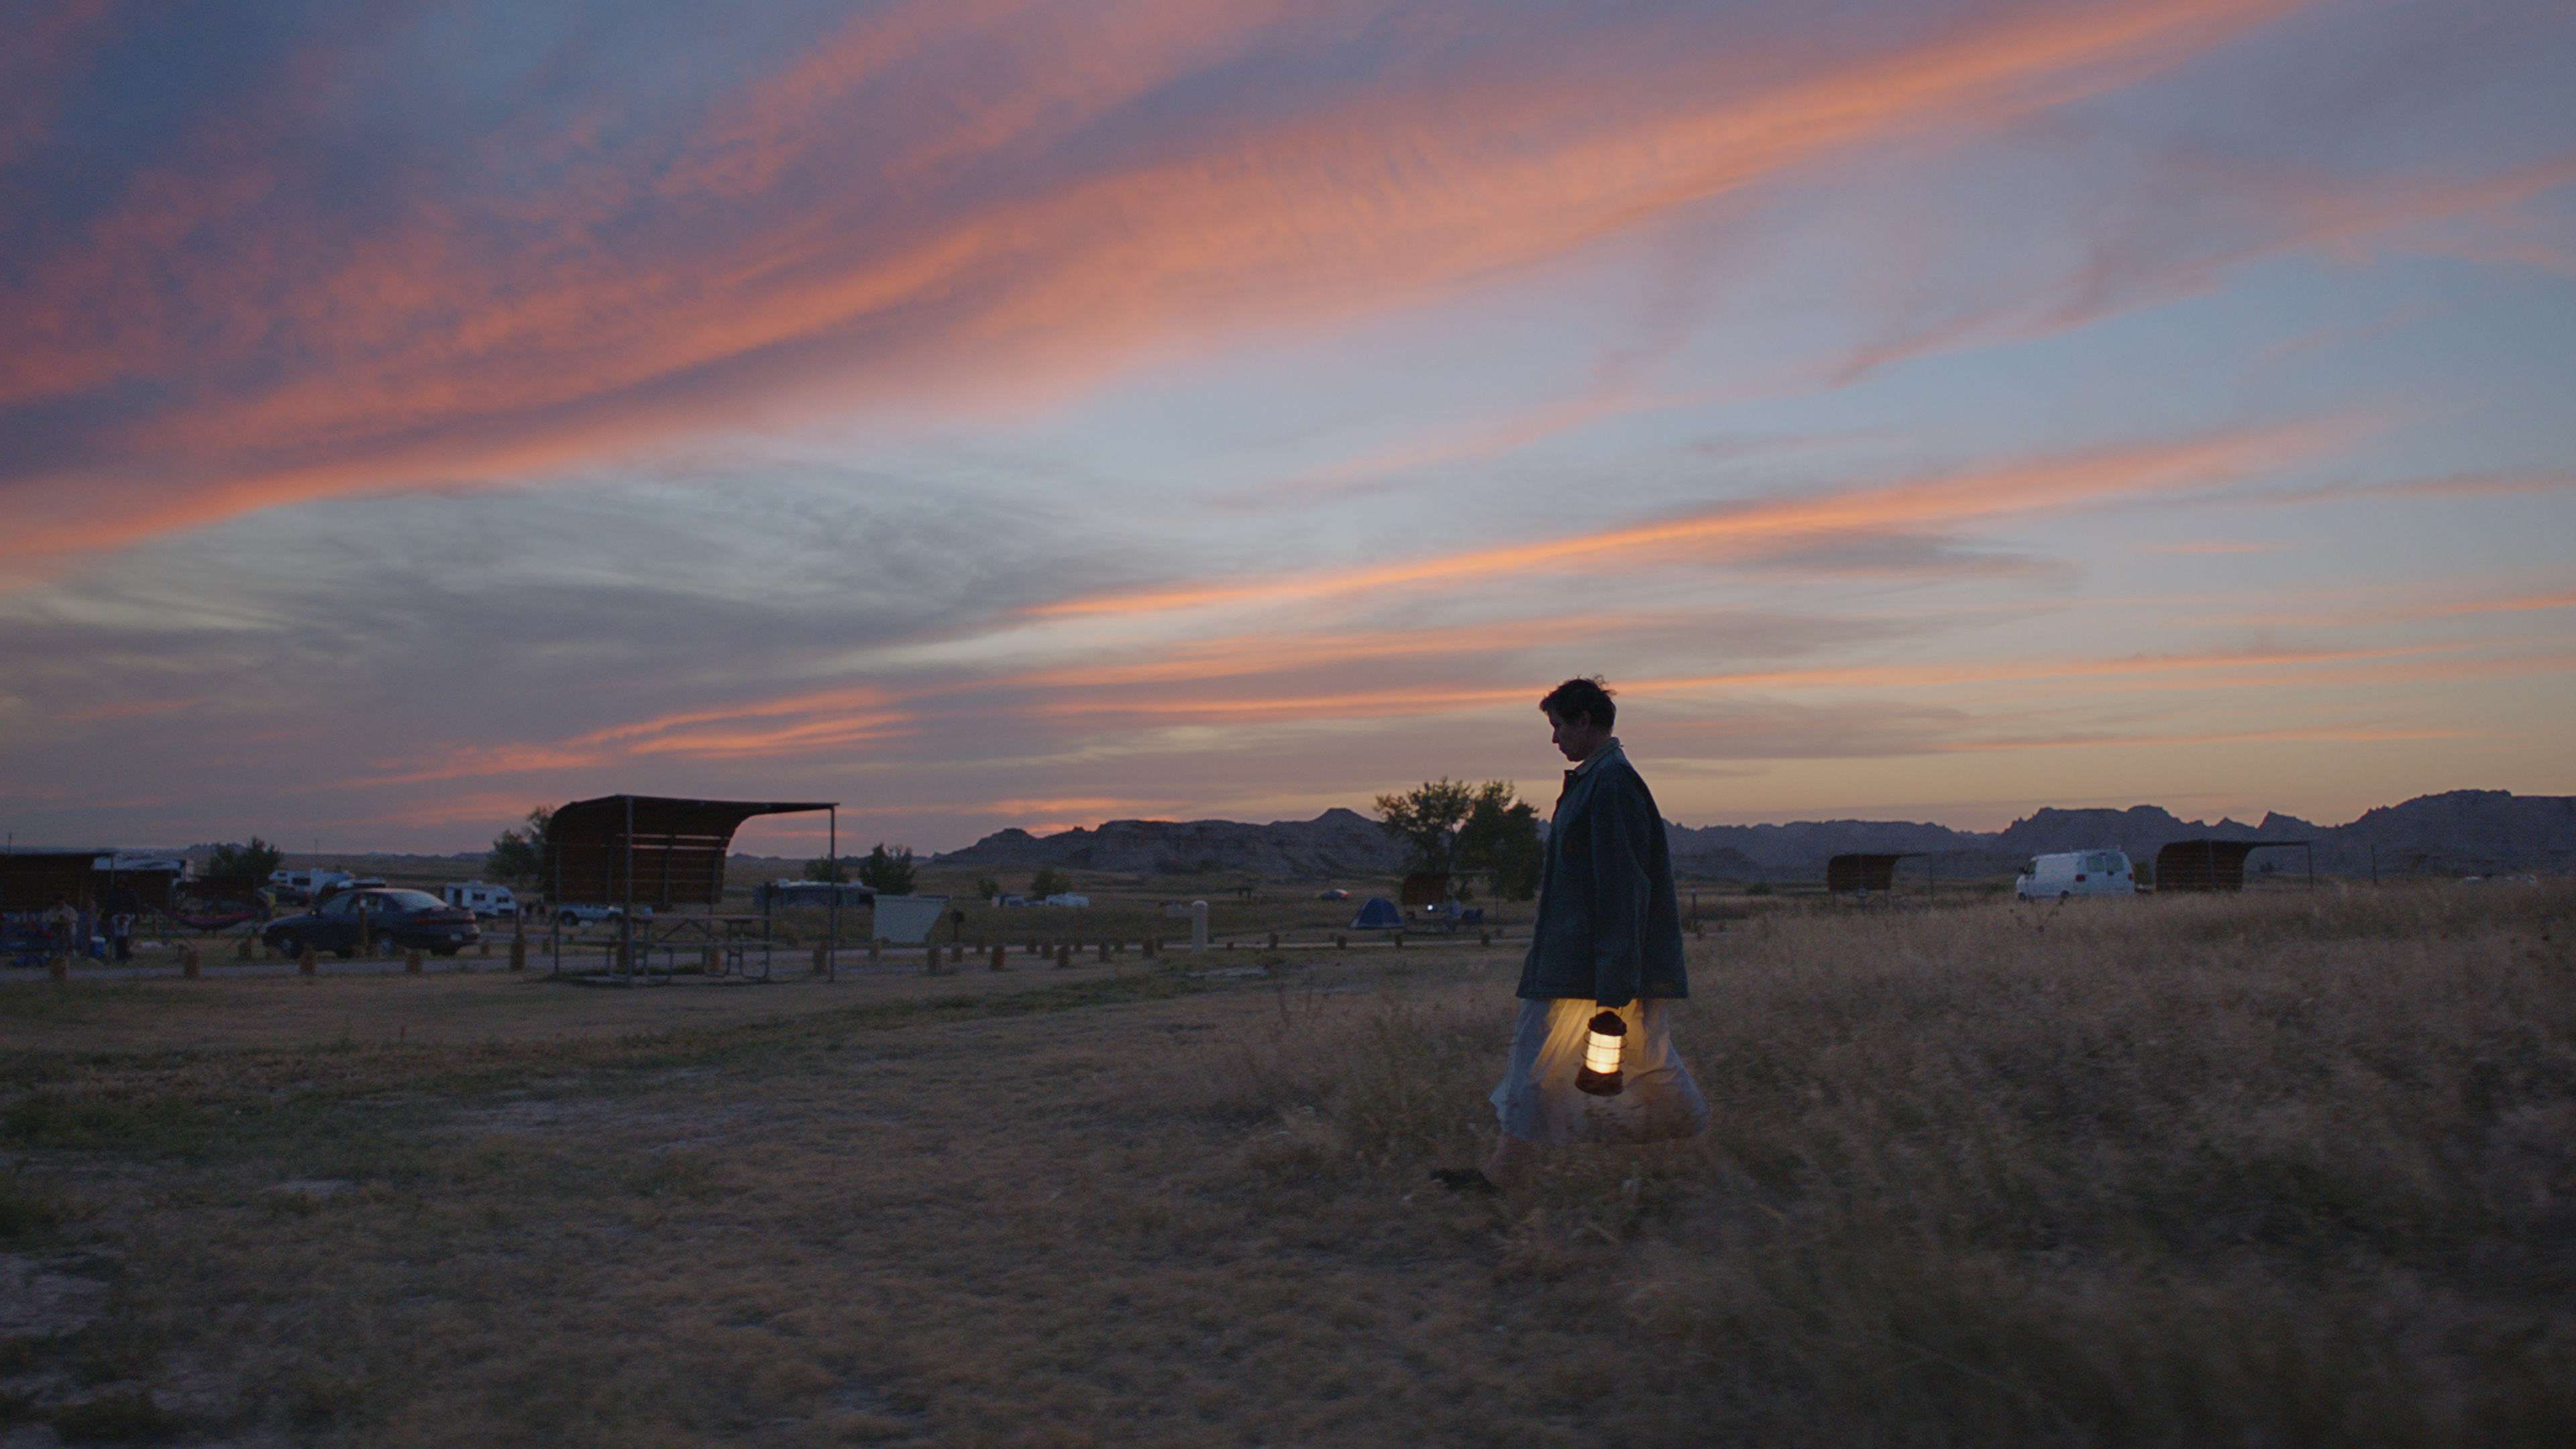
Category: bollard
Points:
column 243, row 951
column 483, row 947
column 518, row 953
column 411, row 963
column 1145, row 948
column 1274, row 940
column 59, row 967
column 930, row 959
column 188, row 963
column 1198, row 926
column 308, row 963
column 707, row 963
column 822, row 958
column 998, row 954
column 1063, row 955
column 1399, row 940
column 876, row 953
column 1104, row 952
column 1341, row 942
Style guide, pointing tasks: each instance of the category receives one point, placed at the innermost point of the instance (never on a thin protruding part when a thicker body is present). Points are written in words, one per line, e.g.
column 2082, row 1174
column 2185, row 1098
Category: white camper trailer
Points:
column 481, row 899
column 2076, row 873
column 304, row 885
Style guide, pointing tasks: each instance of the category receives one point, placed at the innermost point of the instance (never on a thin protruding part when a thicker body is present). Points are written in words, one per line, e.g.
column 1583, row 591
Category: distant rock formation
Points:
column 2463, row 832
column 1338, row 842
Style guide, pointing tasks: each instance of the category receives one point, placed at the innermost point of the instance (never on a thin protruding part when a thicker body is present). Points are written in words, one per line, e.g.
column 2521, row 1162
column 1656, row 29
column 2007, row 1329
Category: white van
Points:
column 481, row 899
column 2076, row 873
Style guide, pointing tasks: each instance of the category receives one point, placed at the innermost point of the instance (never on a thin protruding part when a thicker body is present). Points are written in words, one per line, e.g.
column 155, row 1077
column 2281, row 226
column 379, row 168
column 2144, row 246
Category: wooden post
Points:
column 822, row 957
column 930, row 959
column 519, row 953
column 1104, row 952
column 309, row 962
column 876, row 953
column 1063, row 955
column 483, row 947
column 244, row 949
column 1148, row 948
column 1484, row 938
column 996, row 958
column 188, row 963
column 1341, row 942
column 1399, row 940
column 59, row 967
column 1274, row 940
column 411, row 963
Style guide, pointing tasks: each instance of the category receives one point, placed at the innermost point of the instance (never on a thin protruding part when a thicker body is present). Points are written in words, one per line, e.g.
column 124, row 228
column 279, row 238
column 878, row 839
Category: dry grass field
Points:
column 2278, row 1170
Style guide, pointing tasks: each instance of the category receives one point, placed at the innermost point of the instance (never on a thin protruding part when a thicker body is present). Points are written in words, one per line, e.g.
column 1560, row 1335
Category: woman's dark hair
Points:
column 1583, row 698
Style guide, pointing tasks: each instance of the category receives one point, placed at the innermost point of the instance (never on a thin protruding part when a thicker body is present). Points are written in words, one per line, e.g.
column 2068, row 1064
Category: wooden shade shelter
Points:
column 1864, row 872
column 656, row 852
column 2216, row 865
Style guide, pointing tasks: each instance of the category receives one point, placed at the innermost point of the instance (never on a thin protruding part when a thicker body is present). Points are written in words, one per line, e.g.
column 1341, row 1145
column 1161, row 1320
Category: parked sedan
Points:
column 350, row 920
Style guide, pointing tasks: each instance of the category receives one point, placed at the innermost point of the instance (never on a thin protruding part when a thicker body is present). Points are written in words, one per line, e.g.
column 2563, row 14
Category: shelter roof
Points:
column 2208, row 864
column 1864, row 871
column 651, row 850
column 31, row 880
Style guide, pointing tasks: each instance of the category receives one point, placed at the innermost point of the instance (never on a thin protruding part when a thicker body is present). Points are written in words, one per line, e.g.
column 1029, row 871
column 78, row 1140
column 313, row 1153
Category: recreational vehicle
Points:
column 481, row 899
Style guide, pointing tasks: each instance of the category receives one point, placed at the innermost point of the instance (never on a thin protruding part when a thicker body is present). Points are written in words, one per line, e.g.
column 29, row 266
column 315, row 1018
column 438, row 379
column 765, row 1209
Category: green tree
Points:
column 827, row 869
column 519, row 856
column 1500, row 838
column 1426, row 819
column 987, row 888
column 257, row 860
column 888, row 872
column 1049, row 882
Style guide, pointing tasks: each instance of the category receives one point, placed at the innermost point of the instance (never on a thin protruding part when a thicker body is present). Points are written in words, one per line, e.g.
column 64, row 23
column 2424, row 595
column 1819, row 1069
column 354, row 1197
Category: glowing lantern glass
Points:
column 1600, row 1074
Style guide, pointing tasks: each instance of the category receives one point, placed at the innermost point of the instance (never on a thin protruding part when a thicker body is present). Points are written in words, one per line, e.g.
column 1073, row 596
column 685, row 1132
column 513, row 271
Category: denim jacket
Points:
column 1608, row 929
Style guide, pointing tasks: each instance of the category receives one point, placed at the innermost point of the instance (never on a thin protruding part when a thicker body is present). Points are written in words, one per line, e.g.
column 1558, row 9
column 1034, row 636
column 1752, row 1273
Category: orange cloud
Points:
column 2527, row 604
column 1737, row 530
column 2321, row 734
column 128, row 709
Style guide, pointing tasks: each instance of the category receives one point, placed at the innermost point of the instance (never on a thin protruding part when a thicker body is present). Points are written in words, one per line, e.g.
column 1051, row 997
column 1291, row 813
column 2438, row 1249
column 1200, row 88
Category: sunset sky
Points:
column 990, row 414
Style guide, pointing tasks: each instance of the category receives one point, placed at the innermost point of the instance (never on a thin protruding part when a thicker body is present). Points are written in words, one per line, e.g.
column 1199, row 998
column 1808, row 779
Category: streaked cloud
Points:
column 931, row 193
column 998, row 414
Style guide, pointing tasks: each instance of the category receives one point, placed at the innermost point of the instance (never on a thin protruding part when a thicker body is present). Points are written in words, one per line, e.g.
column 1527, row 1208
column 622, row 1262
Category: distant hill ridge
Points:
column 2462, row 832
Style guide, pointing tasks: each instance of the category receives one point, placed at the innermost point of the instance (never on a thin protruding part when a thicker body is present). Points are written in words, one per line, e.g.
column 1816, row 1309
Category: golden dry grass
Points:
column 2284, row 1170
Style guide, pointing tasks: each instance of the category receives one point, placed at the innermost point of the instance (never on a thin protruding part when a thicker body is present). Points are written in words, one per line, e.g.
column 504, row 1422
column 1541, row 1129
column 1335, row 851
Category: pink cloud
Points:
column 786, row 247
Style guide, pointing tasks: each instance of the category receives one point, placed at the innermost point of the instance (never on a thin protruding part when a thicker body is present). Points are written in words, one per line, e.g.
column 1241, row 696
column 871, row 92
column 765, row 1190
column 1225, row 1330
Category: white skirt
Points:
column 1538, row 1101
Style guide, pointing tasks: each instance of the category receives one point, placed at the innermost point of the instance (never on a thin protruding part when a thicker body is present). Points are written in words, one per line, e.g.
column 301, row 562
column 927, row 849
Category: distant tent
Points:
column 1379, row 914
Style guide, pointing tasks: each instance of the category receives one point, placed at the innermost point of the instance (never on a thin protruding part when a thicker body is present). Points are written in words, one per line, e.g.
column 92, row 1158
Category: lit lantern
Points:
column 1600, row 1074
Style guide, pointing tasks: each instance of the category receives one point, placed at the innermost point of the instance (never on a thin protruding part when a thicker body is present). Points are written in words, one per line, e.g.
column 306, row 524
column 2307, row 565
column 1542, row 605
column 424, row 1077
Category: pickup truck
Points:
column 573, row 915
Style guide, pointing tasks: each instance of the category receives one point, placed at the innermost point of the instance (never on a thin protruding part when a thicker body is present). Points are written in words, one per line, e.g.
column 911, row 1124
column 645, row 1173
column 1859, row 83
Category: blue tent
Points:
column 1379, row 914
